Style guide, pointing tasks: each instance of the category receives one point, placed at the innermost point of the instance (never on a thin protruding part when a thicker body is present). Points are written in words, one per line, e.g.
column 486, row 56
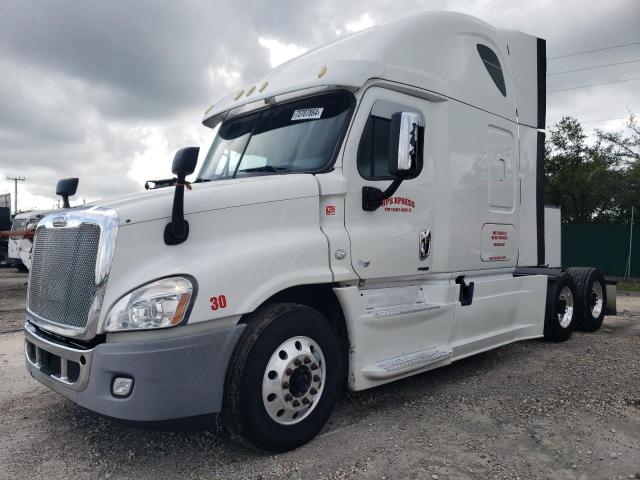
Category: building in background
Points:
column 5, row 200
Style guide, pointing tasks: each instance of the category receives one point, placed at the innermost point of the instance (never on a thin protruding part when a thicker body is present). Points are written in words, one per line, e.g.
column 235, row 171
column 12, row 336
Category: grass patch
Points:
column 629, row 286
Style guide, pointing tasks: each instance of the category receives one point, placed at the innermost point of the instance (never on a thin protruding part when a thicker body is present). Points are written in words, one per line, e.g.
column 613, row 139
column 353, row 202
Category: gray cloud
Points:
column 103, row 89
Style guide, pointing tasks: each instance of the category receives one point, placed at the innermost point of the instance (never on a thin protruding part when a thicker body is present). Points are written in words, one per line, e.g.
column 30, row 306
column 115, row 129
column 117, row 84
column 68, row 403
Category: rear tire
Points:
column 560, row 313
column 284, row 377
column 591, row 296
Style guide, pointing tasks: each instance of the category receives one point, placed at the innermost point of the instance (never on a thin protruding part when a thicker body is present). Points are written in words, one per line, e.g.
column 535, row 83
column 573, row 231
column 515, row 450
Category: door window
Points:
column 373, row 151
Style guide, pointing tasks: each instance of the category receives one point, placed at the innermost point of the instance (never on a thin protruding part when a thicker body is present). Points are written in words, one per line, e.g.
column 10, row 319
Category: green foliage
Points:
column 593, row 182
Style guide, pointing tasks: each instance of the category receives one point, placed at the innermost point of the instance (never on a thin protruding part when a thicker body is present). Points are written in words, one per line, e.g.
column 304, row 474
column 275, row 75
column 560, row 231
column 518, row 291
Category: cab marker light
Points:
column 322, row 71
column 251, row 89
column 239, row 94
column 263, row 86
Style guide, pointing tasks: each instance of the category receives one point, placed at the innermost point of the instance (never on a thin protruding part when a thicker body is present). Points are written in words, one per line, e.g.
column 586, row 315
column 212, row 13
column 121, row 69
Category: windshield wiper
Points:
column 265, row 168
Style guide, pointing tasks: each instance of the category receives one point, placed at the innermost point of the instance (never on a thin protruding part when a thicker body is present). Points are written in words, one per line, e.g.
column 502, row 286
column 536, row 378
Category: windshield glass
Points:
column 19, row 224
column 298, row 136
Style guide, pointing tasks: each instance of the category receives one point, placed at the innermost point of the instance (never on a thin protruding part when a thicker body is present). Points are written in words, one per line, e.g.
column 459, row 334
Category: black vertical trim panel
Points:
column 542, row 112
column 540, row 196
column 542, row 82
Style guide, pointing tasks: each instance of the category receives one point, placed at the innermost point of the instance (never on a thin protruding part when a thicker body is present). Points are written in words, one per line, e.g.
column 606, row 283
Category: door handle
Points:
column 424, row 244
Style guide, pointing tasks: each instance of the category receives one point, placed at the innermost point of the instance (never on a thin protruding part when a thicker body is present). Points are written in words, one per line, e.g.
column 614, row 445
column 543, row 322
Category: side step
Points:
column 402, row 364
column 401, row 309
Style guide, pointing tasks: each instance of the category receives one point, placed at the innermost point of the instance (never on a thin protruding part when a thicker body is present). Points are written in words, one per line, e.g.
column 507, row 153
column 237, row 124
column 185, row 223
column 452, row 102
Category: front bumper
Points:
column 173, row 378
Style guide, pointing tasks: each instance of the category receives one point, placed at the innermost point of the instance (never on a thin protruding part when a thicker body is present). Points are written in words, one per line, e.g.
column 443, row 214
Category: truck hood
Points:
column 157, row 204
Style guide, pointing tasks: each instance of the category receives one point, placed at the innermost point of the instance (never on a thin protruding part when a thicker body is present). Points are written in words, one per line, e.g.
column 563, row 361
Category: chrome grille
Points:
column 62, row 283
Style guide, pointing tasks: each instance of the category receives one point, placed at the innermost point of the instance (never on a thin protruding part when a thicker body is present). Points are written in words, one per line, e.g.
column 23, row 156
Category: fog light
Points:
column 121, row 386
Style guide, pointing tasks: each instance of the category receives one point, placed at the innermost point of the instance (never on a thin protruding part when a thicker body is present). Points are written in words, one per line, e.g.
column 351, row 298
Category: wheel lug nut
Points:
column 296, row 403
column 316, row 378
column 297, row 362
column 314, row 366
column 306, row 401
column 288, row 397
column 307, row 360
column 288, row 371
column 313, row 391
column 285, row 385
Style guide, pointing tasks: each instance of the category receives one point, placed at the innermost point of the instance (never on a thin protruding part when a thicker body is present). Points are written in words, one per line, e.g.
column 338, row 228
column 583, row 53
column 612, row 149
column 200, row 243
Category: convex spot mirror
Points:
column 403, row 141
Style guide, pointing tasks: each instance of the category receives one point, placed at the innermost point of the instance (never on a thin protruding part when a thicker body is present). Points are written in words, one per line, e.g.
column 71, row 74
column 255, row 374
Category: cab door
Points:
column 393, row 241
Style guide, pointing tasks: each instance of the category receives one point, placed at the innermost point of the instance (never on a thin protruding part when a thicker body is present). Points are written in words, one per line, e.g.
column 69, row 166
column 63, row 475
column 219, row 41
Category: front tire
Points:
column 560, row 315
column 592, row 297
column 283, row 379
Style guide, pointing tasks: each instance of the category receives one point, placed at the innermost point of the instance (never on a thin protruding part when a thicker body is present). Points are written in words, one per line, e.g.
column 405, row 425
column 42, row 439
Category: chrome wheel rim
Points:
column 597, row 299
column 293, row 380
column 565, row 312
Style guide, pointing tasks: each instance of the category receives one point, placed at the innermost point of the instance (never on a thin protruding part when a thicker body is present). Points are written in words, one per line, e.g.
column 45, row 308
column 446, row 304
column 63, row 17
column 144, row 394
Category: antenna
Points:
column 15, row 186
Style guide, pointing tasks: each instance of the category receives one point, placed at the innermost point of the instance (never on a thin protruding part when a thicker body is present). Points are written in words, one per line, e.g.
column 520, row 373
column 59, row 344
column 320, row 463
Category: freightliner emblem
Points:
column 59, row 221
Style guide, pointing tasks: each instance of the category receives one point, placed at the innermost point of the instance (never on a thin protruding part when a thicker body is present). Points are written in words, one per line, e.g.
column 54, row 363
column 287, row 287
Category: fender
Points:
column 244, row 254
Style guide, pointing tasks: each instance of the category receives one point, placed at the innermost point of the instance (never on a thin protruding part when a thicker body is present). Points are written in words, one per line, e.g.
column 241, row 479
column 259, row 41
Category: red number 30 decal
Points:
column 218, row 302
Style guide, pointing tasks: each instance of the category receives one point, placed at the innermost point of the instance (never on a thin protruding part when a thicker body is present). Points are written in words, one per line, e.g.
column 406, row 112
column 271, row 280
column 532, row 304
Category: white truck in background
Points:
column 23, row 227
column 368, row 211
column 19, row 245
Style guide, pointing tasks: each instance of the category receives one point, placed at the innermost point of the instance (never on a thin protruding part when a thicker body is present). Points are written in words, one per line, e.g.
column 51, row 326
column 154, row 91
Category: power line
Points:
column 593, row 85
column 603, row 120
column 592, row 68
column 594, row 50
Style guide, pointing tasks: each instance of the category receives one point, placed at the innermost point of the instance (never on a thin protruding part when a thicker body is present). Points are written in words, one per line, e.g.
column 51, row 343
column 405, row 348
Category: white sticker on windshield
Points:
column 307, row 114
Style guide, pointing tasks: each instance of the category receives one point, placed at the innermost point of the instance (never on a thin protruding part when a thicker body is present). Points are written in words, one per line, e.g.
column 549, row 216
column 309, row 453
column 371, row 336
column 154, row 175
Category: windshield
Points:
column 298, row 136
column 19, row 224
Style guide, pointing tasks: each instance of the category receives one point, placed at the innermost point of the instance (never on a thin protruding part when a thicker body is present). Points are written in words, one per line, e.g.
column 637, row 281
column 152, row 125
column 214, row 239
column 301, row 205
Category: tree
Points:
column 584, row 180
column 625, row 146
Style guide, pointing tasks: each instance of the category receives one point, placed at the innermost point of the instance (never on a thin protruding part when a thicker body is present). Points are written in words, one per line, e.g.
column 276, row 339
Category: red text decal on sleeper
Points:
column 330, row 210
column 499, row 237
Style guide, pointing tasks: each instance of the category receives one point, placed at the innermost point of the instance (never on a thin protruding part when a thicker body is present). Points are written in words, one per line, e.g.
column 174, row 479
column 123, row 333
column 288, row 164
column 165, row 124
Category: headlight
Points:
column 158, row 304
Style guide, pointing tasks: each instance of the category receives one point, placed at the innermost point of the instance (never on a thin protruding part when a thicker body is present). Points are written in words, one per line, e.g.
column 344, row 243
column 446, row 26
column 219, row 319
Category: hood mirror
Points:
column 184, row 163
column 66, row 187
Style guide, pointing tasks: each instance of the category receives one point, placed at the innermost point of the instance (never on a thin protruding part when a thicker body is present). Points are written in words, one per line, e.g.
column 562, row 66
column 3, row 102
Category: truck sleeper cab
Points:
column 368, row 211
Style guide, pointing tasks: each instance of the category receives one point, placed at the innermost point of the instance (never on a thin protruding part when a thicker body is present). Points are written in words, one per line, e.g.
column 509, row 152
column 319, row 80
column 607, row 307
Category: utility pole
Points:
column 15, row 185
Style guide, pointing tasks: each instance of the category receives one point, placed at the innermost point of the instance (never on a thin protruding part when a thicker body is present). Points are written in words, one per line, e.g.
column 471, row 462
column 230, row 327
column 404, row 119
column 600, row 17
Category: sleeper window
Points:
column 492, row 64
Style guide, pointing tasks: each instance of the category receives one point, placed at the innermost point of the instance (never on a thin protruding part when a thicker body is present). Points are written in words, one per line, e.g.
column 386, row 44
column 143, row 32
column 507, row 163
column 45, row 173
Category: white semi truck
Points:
column 368, row 211
column 23, row 227
column 20, row 244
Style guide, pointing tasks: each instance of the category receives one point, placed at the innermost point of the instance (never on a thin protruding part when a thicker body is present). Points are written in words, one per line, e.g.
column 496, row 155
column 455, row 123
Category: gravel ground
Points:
column 13, row 295
column 529, row 410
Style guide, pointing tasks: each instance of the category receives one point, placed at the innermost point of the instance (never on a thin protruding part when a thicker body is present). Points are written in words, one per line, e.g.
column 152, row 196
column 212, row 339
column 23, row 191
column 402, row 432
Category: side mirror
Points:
column 403, row 154
column 403, row 141
column 67, row 187
column 184, row 163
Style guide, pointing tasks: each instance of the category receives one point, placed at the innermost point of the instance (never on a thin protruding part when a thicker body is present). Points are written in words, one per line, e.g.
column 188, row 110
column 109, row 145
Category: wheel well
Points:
column 320, row 297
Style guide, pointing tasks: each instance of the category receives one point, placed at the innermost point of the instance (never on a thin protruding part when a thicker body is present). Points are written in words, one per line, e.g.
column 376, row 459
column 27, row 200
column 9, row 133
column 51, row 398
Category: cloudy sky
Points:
column 107, row 91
